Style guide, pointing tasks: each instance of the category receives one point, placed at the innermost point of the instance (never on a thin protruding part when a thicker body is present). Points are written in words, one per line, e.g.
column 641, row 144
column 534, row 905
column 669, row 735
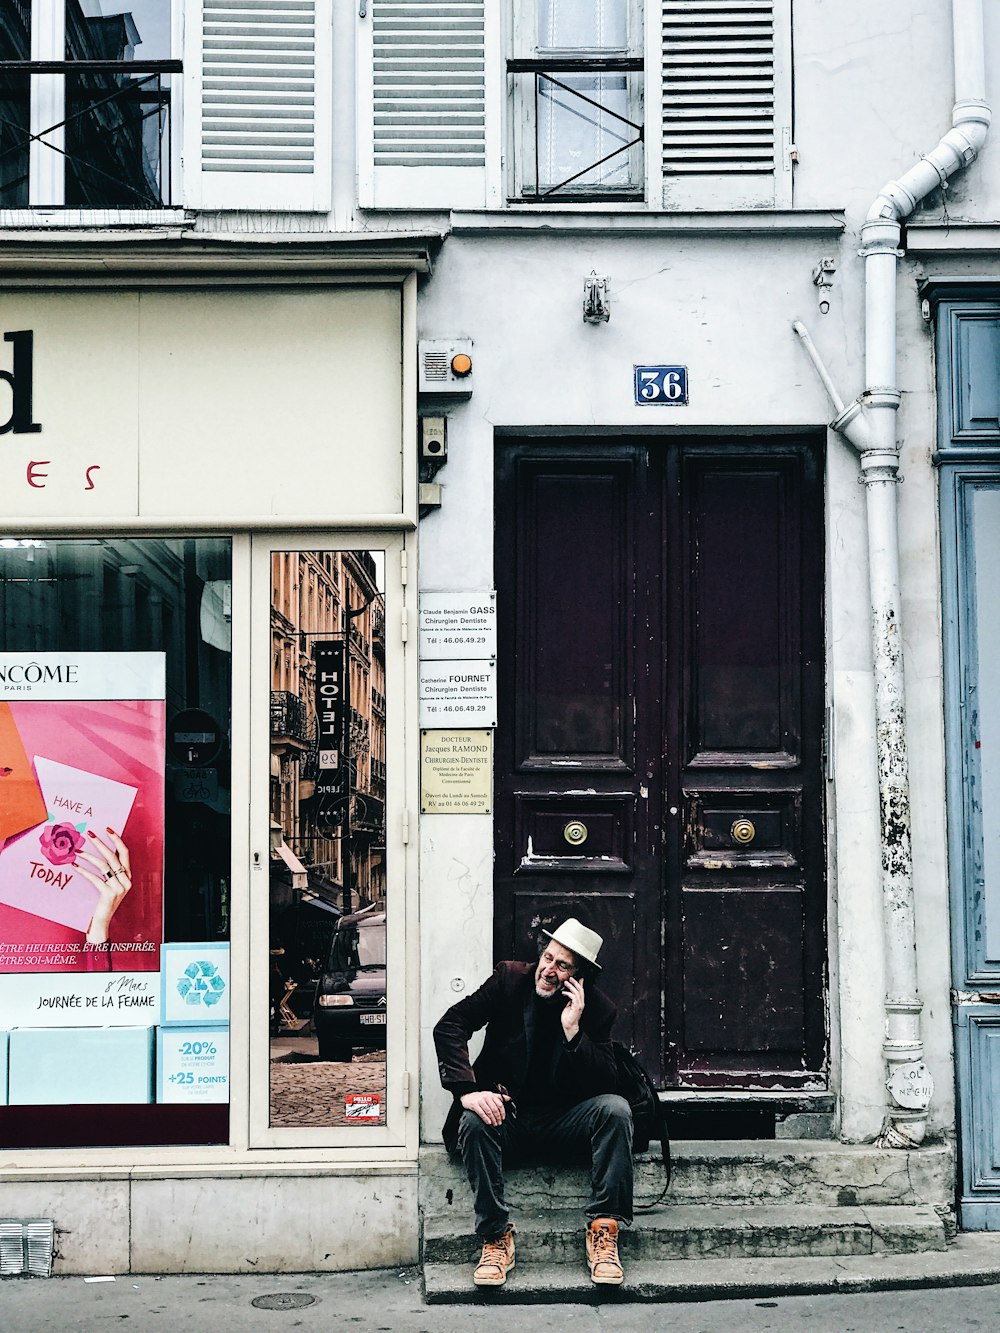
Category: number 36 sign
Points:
column 661, row 386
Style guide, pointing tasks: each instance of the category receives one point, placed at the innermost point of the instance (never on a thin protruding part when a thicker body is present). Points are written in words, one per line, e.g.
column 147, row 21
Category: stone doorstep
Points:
column 694, row 1231
column 969, row 1261
column 804, row 1171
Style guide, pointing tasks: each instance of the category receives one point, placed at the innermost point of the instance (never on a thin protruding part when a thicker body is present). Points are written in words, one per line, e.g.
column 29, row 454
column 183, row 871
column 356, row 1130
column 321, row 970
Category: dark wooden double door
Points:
column 659, row 764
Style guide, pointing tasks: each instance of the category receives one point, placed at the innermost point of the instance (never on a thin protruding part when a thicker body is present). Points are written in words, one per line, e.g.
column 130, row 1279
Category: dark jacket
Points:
column 504, row 1005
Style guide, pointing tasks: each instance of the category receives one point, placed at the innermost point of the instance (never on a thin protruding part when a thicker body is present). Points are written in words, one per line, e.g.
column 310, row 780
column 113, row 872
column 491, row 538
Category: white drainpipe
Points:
column 869, row 424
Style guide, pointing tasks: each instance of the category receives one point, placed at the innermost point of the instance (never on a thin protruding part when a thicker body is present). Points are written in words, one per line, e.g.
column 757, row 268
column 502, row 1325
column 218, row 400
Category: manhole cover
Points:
column 284, row 1300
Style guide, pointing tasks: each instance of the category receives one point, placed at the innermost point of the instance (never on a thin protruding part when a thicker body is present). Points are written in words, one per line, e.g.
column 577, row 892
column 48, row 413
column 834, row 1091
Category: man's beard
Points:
column 547, row 996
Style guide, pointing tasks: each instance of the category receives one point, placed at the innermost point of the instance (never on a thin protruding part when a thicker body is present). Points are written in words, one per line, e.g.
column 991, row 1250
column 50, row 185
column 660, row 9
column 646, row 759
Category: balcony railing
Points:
column 367, row 813
column 360, row 736
column 290, row 720
column 114, row 135
column 358, row 640
column 573, row 114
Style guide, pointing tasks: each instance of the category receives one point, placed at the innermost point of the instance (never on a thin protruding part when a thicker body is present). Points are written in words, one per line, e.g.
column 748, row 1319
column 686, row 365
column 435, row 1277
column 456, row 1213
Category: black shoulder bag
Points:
column 649, row 1119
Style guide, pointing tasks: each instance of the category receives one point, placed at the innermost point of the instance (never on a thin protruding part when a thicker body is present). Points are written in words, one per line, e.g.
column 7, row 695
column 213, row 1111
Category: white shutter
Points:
column 726, row 101
column 423, row 95
column 257, row 104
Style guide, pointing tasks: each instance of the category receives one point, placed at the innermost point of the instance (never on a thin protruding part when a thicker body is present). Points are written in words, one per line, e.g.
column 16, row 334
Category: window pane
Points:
column 15, row 44
column 117, row 124
column 574, row 133
column 568, row 25
column 327, row 881
column 138, row 755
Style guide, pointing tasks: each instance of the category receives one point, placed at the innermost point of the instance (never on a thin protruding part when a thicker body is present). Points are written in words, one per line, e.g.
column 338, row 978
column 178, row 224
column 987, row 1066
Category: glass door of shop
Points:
column 326, row 853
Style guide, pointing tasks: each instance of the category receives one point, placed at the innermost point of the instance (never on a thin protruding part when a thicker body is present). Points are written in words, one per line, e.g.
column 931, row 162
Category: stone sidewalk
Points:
column 917, row 1294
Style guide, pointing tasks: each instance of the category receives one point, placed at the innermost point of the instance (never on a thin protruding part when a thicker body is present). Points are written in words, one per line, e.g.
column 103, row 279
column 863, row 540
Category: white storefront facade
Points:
column 731, row 651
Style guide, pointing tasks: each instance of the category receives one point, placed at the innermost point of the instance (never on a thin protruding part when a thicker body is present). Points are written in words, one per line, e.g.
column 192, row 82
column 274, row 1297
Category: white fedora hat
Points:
column 574, row 935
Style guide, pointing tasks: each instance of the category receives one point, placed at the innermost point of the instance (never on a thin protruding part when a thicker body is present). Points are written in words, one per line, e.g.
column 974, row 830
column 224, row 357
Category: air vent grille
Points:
column 26, row 1247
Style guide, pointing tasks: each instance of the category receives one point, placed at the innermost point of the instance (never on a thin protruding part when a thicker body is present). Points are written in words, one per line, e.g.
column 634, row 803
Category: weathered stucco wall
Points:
column 724, row 307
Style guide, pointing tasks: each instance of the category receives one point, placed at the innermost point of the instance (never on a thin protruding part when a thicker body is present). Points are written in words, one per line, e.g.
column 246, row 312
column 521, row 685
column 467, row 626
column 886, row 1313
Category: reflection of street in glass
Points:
column 327, row 871
column 308, row 1091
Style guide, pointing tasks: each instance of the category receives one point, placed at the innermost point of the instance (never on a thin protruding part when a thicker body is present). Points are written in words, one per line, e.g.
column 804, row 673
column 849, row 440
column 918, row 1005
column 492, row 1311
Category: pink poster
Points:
column 81, row 864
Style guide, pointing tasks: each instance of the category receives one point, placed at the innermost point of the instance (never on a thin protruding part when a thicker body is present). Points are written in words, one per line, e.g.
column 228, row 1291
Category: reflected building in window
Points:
column 108, row 127
column 113, row 120
column 328, row 852
column 15, row 44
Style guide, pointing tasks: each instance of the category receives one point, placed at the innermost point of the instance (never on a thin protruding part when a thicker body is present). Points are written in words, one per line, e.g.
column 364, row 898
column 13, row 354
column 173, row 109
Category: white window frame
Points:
column 522, row 166
column 398, row 1136
column 46, row 163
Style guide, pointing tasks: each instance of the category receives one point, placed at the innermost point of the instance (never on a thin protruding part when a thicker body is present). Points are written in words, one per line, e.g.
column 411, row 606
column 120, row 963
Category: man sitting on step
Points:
column 545, row 1080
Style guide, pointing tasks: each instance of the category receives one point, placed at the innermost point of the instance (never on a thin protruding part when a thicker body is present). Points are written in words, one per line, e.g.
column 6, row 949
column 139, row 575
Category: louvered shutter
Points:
column 726, row 103
column 424, row 103
column 257, row 104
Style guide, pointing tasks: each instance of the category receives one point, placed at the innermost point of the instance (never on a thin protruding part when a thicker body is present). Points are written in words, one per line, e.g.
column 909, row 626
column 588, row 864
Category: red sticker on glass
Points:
column 363, row 1106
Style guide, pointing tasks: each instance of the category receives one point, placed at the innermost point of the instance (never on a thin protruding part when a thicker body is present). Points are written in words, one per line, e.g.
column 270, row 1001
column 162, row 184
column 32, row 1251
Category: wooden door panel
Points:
column 575, row 833
column 743, row 977
column 573, row 609
column 746, row 924
column 741, row 598
column 715, row 839
column 661, row 684
column 566, row 741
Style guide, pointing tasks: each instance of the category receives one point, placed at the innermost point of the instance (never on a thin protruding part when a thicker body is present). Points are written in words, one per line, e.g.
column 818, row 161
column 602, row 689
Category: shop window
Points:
column 115, row 687
column 327, row 900
column 85, row 103
column 578, row 100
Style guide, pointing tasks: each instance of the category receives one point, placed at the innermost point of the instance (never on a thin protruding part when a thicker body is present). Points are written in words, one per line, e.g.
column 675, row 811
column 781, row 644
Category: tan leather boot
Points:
column 496, row 1260
column 602, row 1252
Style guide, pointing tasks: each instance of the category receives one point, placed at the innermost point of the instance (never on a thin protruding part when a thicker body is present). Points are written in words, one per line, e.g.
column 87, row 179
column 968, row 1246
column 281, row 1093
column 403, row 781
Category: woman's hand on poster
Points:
column 109, row 869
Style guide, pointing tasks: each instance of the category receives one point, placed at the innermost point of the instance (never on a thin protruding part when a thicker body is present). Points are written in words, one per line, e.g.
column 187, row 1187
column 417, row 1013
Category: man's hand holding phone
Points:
column 570, row 1017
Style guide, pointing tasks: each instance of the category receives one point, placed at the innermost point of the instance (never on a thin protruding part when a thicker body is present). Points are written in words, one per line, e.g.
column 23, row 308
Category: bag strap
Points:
column 661, row 1126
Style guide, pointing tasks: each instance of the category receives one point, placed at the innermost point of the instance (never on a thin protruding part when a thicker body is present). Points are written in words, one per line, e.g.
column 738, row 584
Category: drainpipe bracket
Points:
column 878, row 465
column 878, row 247
column 881, row 395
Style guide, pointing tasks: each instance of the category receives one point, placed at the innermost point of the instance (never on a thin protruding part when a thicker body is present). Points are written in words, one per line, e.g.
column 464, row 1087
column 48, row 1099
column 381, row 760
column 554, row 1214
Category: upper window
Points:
column 85, row 89
column 684, row 104
column 577, row 76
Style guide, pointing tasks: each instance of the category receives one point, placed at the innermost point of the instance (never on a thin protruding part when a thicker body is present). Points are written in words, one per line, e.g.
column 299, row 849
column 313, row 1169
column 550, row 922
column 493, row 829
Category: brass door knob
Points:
column 742, row 831
column 575, row 832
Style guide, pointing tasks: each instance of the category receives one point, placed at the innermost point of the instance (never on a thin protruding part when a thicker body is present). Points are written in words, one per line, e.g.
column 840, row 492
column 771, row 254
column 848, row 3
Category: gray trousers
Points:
column 601, row 1124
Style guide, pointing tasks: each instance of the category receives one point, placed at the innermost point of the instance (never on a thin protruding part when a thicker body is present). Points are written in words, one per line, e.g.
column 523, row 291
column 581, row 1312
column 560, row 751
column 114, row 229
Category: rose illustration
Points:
column 60, row 843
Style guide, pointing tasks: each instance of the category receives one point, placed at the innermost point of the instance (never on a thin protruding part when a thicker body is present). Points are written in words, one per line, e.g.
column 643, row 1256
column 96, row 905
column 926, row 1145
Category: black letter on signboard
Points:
column 19, row 379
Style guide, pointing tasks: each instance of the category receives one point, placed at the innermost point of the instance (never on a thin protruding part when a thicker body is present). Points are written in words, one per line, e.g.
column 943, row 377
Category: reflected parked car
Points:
column 349, row 1012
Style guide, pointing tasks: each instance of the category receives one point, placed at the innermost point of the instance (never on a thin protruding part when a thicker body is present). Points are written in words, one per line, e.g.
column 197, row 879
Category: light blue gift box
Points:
column 4, row 1042
column 85, row 1066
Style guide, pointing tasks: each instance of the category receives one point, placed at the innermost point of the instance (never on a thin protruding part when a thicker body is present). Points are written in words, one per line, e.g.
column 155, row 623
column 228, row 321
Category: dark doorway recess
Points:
column 659, row 766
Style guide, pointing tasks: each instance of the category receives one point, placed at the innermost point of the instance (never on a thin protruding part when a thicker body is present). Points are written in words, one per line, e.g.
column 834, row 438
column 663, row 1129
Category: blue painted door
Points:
column 969, row 449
